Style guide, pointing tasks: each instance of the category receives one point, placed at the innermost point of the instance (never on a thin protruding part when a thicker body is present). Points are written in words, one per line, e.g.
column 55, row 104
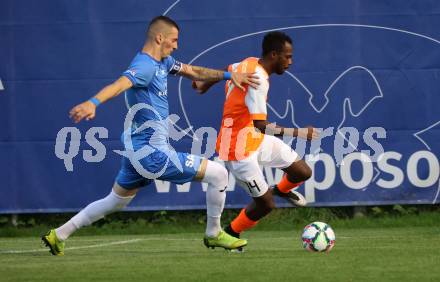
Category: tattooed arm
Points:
column 204, row 74
column 201, row 73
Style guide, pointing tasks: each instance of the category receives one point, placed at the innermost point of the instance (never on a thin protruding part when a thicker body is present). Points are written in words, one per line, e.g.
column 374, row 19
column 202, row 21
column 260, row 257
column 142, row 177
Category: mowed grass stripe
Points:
column 394, row 254
column 79, row 240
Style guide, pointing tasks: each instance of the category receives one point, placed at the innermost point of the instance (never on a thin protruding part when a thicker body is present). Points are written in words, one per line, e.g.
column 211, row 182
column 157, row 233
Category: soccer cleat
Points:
column 224, row 240
column 228, row 229
column 293, row 197
column 56, row 245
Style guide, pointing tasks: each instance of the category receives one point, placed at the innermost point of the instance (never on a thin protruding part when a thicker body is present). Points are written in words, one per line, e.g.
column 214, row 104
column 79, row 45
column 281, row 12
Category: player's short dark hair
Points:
column 164, row 19
column 275, row 41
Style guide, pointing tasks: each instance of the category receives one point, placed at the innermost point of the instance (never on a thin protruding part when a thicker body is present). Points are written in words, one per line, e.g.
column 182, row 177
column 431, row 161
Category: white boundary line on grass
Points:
column 73, row 248
column 98, row 245
column 183, row 239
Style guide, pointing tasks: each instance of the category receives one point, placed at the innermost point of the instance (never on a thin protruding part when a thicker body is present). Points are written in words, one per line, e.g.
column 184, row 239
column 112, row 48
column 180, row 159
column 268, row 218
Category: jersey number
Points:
column 252, row 185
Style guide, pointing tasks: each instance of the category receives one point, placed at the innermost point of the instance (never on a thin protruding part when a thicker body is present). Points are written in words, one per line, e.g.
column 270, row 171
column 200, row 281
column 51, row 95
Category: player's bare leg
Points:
column 296, row 174
column 251, row 214
column 260, row 207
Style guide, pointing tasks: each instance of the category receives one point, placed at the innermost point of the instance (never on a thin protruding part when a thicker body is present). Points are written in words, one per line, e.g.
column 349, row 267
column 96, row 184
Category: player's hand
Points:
column 244, row 78
column 82, row 111
column 201, row 86
column 309, row 133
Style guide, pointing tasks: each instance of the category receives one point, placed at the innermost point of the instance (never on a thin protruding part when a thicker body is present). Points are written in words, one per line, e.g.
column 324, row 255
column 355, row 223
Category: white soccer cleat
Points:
column 292, row 196
column 297, row 199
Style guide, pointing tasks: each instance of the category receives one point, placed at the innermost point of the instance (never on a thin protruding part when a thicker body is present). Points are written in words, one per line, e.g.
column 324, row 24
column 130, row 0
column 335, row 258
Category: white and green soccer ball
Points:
column 318, row 237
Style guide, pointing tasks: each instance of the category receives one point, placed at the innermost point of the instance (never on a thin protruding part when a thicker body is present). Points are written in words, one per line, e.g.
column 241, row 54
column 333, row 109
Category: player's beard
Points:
column 280, row 70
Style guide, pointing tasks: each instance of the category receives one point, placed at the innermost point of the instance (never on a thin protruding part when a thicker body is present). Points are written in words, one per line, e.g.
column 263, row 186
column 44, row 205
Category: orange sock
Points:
column 285, row 185
column 242, row 222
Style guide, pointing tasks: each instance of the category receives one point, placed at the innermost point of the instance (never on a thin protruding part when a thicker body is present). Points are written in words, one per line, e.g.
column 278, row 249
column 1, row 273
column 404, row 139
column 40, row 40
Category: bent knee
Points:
column 216, row 174
column 301, row 172
column 307, row 173
column 222, row 176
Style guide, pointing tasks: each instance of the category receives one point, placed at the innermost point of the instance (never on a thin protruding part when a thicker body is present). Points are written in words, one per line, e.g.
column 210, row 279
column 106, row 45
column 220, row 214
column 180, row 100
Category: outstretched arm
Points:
column 308, row 133
column 202, row 86
column 87, row 109
column 204, row 74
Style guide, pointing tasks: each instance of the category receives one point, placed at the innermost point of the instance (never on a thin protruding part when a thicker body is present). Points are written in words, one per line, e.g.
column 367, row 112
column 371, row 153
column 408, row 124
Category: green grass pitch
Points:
column 361, row 254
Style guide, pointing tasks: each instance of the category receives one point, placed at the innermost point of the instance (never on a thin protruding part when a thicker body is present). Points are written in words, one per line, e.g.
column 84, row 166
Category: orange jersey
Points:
column 238, row 137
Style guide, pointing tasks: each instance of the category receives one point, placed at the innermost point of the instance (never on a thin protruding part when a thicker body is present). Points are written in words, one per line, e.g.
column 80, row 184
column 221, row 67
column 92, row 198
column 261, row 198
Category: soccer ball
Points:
column 318, row 237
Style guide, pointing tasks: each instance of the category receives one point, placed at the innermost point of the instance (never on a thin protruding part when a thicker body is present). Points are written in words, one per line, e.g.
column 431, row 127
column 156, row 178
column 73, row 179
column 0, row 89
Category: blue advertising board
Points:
column 366, row 72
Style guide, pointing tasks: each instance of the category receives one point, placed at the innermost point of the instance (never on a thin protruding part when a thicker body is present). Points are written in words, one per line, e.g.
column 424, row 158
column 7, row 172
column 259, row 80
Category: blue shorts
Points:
column 180, row 169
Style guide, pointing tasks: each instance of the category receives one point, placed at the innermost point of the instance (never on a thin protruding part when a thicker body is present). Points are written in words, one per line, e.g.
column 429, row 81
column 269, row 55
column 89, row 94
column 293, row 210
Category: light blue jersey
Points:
column 150, row 127
column 149, row 78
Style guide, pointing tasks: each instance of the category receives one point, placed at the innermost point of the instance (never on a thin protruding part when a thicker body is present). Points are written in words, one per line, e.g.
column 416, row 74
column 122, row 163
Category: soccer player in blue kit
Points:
column 145, row 84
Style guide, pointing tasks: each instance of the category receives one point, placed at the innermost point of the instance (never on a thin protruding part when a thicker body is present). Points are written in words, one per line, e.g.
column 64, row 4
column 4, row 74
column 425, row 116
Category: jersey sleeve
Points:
column 173, row 66
column 256, row 98
column 140, row 73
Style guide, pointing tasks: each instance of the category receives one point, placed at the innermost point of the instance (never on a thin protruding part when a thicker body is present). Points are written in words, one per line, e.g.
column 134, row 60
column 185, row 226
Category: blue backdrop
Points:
column 357, row 64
